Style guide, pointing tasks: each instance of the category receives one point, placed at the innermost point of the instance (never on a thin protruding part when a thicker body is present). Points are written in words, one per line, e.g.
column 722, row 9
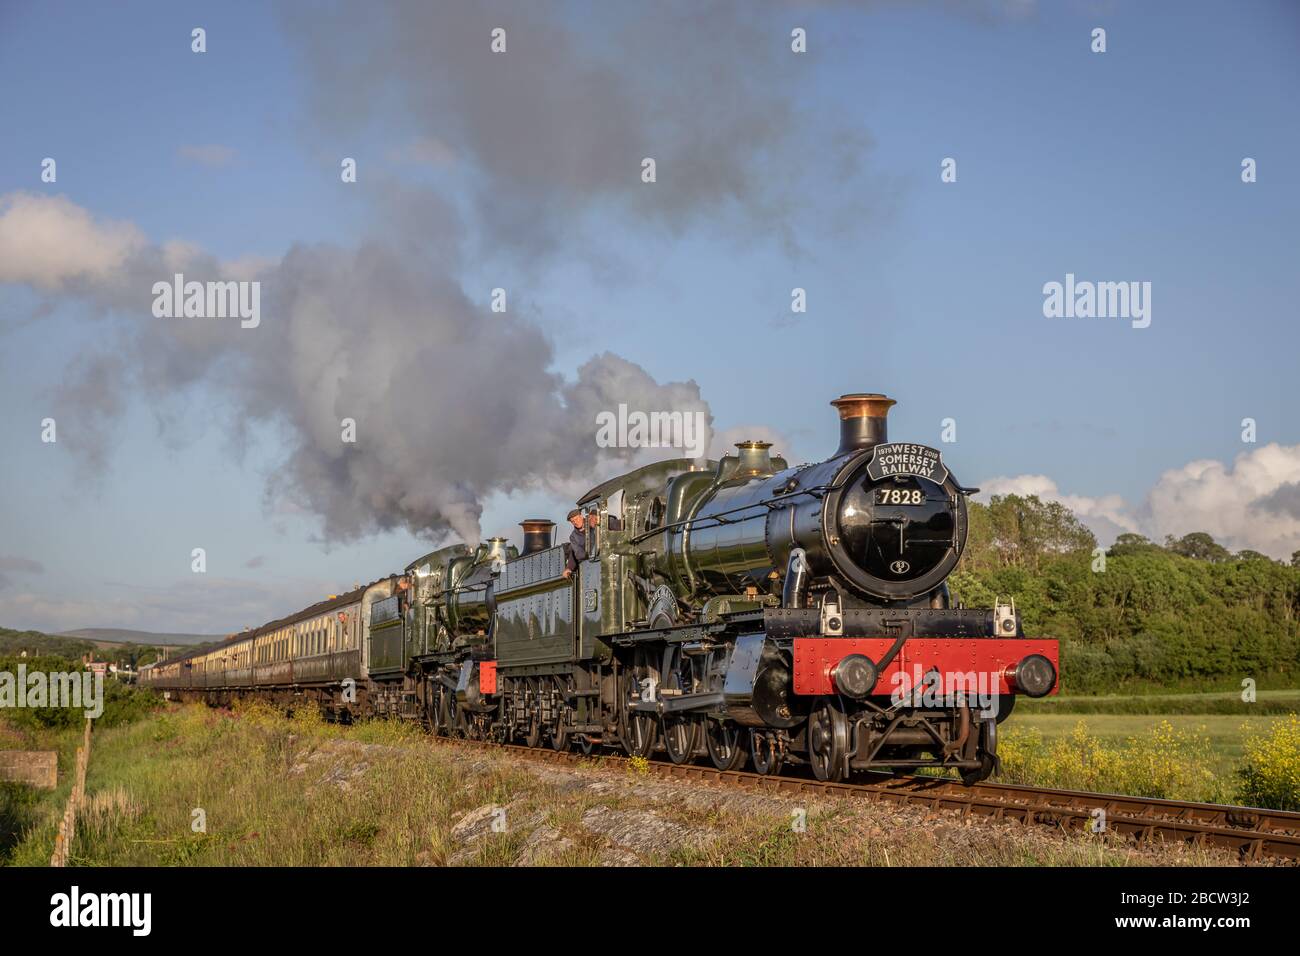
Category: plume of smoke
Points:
column 557, row 126
column 450, row 401
column 453, row 402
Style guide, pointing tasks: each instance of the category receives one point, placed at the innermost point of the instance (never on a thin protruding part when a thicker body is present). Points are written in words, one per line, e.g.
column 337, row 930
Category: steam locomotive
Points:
column 739, row 609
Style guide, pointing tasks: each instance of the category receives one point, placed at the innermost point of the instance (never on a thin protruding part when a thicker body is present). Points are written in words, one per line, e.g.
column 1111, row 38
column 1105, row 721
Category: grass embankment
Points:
column 208, row 787
column 297, row 791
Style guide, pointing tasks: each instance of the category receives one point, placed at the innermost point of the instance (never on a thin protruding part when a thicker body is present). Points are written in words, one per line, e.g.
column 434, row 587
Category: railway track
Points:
column 1254, row 834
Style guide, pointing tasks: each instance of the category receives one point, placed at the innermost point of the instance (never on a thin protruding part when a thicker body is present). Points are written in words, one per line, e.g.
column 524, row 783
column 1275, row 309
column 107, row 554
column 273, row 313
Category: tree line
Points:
column 1184, row 613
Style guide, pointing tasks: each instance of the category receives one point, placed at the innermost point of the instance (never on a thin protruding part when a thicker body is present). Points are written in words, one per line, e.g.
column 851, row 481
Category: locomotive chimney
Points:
column 537, row 534
column 862, row 420
column 755, row 459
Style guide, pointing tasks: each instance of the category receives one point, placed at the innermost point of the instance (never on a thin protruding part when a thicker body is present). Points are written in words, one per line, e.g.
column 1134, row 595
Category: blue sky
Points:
column 1118, row 166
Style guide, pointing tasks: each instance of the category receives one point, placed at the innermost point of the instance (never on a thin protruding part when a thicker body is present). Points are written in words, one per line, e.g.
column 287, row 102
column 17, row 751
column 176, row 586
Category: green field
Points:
column 1285, row 701
column 1225, row 733
column 1183, row 746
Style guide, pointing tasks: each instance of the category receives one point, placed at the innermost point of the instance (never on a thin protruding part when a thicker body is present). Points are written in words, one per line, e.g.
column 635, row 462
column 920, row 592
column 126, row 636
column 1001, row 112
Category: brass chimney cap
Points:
column 753, row 444
column 863, row 405
column 536, row 524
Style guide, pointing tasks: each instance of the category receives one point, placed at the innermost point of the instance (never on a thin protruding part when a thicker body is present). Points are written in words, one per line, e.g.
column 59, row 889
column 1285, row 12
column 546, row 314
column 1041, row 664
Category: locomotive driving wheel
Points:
column 429, row 706
column 681, row 736
column 435, row 711
column 681, row 730
column 765, row 750
column 560, row 735
column 723, row 741
column 450, row 713
column 533, row 736
column 637, row 729
column 828, row 740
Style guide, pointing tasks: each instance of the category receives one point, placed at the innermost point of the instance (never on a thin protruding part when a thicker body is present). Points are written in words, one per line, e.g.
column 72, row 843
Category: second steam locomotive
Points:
column 738, row 609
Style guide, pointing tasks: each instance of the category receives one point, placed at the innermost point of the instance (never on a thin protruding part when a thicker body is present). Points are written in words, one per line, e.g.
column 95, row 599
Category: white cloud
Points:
column 1236, row 505
column 49, row 241
column 1246, row 505
column 1106, row 516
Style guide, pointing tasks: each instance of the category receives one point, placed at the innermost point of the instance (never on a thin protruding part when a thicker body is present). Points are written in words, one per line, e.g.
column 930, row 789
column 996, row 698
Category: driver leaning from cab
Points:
column 577, row 542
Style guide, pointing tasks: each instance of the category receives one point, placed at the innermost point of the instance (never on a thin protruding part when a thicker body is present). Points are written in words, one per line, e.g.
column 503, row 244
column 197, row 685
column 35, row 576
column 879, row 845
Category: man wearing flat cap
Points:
column 577, row 542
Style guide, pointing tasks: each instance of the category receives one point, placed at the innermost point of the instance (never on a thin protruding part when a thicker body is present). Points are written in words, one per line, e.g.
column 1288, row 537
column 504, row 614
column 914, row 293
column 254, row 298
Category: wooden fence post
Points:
column 68, row 825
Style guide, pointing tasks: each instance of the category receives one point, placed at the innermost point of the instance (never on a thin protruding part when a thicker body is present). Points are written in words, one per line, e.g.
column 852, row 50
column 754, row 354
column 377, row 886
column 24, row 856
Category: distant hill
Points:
column 34, row 642
column 118, row 635
column 125, row 648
